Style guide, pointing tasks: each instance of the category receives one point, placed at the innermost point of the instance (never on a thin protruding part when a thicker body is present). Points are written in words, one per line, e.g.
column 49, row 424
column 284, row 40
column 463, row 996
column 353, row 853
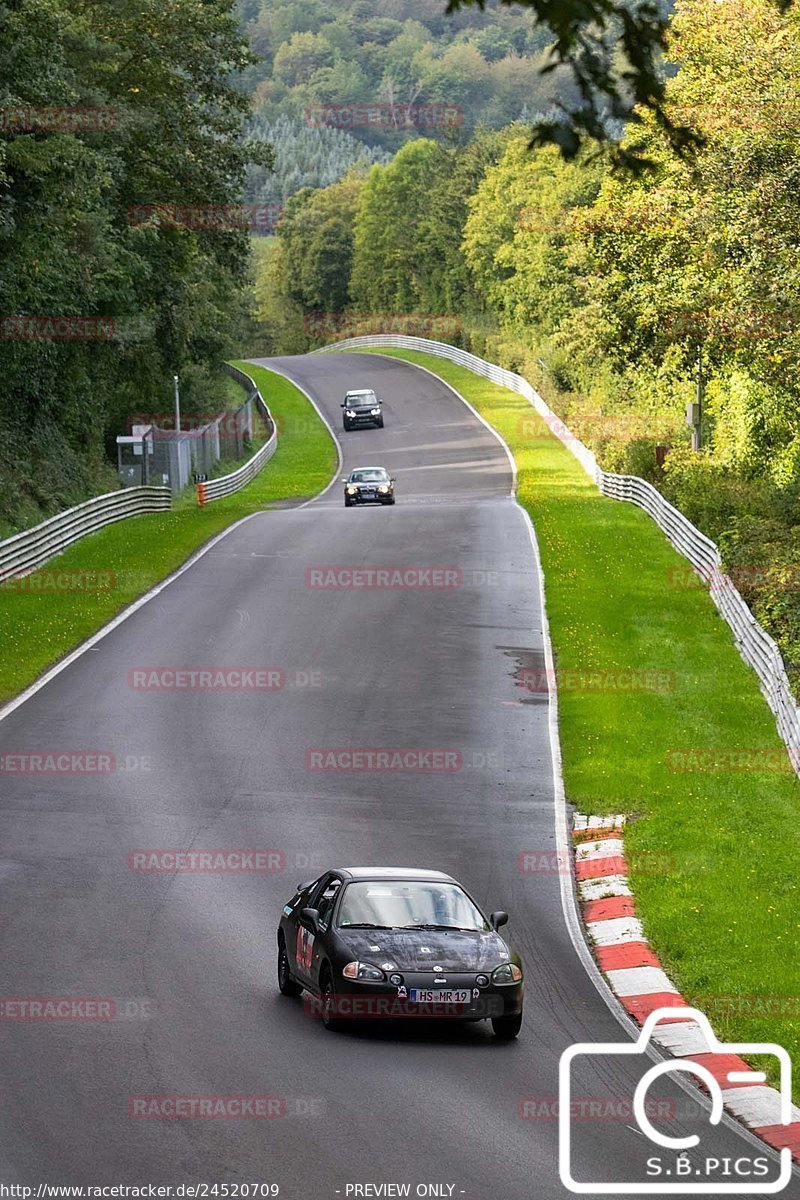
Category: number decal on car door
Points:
column 305, row 945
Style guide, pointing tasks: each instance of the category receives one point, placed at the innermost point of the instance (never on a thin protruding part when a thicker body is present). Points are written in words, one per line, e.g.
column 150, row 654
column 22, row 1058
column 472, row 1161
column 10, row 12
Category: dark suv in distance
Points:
column 362, row 407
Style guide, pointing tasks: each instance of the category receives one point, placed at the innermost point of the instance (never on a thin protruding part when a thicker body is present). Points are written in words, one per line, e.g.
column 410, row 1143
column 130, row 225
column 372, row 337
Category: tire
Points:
column 348, row 503
column 286, row 985
column 347, row 426
column 331, row 1023
column 506, row 1028
column 379, row 423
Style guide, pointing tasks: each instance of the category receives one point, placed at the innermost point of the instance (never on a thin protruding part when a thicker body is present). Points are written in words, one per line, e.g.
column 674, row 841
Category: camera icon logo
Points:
column 667, row 1183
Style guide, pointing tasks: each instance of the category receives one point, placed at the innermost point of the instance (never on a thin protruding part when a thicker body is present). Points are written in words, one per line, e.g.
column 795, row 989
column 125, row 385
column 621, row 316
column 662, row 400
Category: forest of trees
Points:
column 317, row 56
column 303, row 157
column 149, row 116
column 603, row 290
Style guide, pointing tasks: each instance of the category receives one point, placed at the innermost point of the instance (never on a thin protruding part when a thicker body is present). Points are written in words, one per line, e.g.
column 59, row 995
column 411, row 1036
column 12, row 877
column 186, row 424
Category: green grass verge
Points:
column 37, row 629
column 714, row 854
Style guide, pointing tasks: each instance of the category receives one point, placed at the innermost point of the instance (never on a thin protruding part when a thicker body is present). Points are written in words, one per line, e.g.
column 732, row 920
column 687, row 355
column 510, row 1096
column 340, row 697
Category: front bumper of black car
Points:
column 367, row 419
column 363, row 1000
column 369, row 498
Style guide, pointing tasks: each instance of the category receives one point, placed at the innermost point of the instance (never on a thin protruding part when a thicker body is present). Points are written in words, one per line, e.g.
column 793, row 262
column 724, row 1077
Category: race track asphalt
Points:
column 190, row 957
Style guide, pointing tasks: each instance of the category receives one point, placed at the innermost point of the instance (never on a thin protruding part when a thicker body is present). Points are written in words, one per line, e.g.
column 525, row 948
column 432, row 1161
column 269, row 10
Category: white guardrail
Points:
column 756, row 647
column 24, row 552
column 226, row 485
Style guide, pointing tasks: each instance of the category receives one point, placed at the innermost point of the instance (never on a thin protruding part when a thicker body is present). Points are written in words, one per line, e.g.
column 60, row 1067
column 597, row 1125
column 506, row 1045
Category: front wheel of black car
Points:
column 507, row 1028
column 286, row 984
column 379, row 423
column 329, row 1003
column 347, row 426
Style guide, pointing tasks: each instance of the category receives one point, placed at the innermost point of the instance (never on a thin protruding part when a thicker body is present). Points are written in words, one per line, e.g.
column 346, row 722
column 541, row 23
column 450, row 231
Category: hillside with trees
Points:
column 605, row 290
column 324, row 62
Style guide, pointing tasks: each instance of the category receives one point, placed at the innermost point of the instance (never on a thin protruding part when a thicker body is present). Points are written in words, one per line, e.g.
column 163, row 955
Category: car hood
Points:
column 424, row 949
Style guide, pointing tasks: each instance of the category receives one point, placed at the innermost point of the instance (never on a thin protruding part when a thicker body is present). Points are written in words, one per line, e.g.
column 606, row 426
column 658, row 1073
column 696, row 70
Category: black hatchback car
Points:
column 368, row 485
column 362, row 407
column 397, row 942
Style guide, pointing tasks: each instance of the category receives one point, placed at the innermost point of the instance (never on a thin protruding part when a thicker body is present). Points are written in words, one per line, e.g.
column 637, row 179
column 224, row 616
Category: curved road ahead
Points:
column 190, row 957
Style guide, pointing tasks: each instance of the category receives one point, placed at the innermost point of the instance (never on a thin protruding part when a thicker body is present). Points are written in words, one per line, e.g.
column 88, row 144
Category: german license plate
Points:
column 439, row 996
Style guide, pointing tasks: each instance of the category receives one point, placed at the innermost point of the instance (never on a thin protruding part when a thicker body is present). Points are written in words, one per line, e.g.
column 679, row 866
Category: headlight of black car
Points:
column 359, row 970
column 506, row 973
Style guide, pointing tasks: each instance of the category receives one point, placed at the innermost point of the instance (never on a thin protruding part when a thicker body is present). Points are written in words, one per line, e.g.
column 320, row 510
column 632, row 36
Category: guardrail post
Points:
column 201, row 495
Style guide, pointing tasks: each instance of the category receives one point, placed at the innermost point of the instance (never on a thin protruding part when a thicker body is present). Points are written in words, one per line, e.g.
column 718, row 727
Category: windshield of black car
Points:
column 409, row 904
column 368, row 477
column 359, row 399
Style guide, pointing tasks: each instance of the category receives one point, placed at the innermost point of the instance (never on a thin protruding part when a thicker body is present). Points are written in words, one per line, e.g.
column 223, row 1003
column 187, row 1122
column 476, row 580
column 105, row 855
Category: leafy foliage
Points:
column 162, row 69
column 341, row 52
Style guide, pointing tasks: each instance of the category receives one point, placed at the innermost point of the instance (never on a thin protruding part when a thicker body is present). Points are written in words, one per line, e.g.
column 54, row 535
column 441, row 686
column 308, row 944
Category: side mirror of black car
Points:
column 343, row 404
column 392, row 479
column 495, row 920
column 311, row 917
column 344, row 481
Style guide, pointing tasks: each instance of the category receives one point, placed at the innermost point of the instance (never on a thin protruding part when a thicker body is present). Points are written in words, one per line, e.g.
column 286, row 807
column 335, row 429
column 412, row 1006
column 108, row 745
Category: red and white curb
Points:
column 638, row 980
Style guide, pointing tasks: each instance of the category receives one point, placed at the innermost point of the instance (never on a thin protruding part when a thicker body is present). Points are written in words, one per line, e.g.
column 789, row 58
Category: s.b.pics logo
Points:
column 674, row 1159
